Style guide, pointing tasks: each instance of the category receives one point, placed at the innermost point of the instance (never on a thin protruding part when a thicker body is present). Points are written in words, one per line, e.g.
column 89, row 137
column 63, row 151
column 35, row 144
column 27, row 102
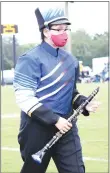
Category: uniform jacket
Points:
column 45, row 83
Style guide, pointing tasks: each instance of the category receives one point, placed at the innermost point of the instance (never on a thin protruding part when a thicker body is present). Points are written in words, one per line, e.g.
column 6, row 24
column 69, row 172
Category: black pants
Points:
column 66, row 153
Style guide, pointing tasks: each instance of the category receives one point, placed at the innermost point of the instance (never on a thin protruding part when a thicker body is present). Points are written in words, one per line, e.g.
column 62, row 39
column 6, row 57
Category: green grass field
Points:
column 93, row 132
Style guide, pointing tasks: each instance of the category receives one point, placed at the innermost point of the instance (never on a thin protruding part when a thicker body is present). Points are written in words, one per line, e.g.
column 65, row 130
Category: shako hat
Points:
column 51, row 16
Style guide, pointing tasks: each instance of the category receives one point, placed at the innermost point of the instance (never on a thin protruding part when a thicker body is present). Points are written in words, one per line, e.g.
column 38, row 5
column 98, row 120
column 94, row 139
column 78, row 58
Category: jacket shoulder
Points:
column 34, row 52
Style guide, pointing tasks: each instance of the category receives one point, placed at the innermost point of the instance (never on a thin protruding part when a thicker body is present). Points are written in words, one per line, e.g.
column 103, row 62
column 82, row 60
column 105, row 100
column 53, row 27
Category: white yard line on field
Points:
column 10, row 116
column 10, row 149
column 93, row 141
column 95, row 159
column 9, row 128
column 85, row 158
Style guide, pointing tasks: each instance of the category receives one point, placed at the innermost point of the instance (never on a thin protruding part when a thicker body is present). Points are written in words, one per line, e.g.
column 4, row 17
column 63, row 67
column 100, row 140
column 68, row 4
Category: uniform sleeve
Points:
column 78, row 99
column 26, row 80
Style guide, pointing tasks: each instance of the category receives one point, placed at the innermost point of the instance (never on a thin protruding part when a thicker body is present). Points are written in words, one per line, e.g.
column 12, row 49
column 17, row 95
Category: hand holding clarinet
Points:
column 65, row 125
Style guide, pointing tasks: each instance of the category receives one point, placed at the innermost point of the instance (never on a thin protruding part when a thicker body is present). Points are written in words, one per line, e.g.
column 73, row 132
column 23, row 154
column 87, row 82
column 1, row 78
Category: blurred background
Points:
column 88, row 41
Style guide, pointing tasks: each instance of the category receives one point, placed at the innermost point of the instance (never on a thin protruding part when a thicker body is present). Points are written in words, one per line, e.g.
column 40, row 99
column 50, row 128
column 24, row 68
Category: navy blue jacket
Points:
column 45, row 83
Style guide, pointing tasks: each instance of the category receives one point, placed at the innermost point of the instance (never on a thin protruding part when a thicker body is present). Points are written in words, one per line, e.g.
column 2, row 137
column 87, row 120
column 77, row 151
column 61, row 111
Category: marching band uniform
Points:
column 45, row 89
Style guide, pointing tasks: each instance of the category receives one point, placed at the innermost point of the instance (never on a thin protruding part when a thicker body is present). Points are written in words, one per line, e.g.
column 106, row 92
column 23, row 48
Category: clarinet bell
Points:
column 38, row 156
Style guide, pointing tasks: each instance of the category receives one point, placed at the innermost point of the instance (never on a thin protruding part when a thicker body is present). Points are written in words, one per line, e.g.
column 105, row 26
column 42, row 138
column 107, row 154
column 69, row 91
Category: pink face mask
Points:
column 59, row 40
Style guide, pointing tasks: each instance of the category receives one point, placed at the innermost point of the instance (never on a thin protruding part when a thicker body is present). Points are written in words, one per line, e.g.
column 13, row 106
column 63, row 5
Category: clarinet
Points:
column 40, row 154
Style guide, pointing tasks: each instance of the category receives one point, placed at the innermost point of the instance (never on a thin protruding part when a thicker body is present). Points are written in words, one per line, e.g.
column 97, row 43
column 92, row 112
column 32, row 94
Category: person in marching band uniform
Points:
column 45, row 89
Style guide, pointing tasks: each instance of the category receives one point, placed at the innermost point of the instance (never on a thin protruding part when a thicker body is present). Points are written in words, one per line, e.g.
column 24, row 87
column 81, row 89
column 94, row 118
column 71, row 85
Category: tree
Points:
column 8, row 61
column 7, row 52
column 100, row 45
column 85, row 48
column 81, row 46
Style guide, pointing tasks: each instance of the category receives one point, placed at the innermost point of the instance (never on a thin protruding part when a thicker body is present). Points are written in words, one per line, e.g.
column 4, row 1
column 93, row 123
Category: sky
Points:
column 90, row 16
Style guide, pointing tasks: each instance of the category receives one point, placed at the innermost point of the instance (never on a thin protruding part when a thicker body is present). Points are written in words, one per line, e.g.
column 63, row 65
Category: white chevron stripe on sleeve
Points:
column 26, row 99
column 25, row 77
column 33, row 109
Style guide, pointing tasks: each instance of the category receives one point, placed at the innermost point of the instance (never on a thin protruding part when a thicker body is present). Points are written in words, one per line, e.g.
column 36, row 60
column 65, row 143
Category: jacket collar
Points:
column 50, row 49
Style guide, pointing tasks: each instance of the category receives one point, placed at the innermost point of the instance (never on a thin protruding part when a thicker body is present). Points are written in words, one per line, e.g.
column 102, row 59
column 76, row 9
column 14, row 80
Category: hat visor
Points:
column 63, row 21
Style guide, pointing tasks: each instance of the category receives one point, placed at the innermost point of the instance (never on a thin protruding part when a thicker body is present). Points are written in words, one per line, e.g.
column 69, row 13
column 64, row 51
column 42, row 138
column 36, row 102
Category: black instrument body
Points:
column 40, row 154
